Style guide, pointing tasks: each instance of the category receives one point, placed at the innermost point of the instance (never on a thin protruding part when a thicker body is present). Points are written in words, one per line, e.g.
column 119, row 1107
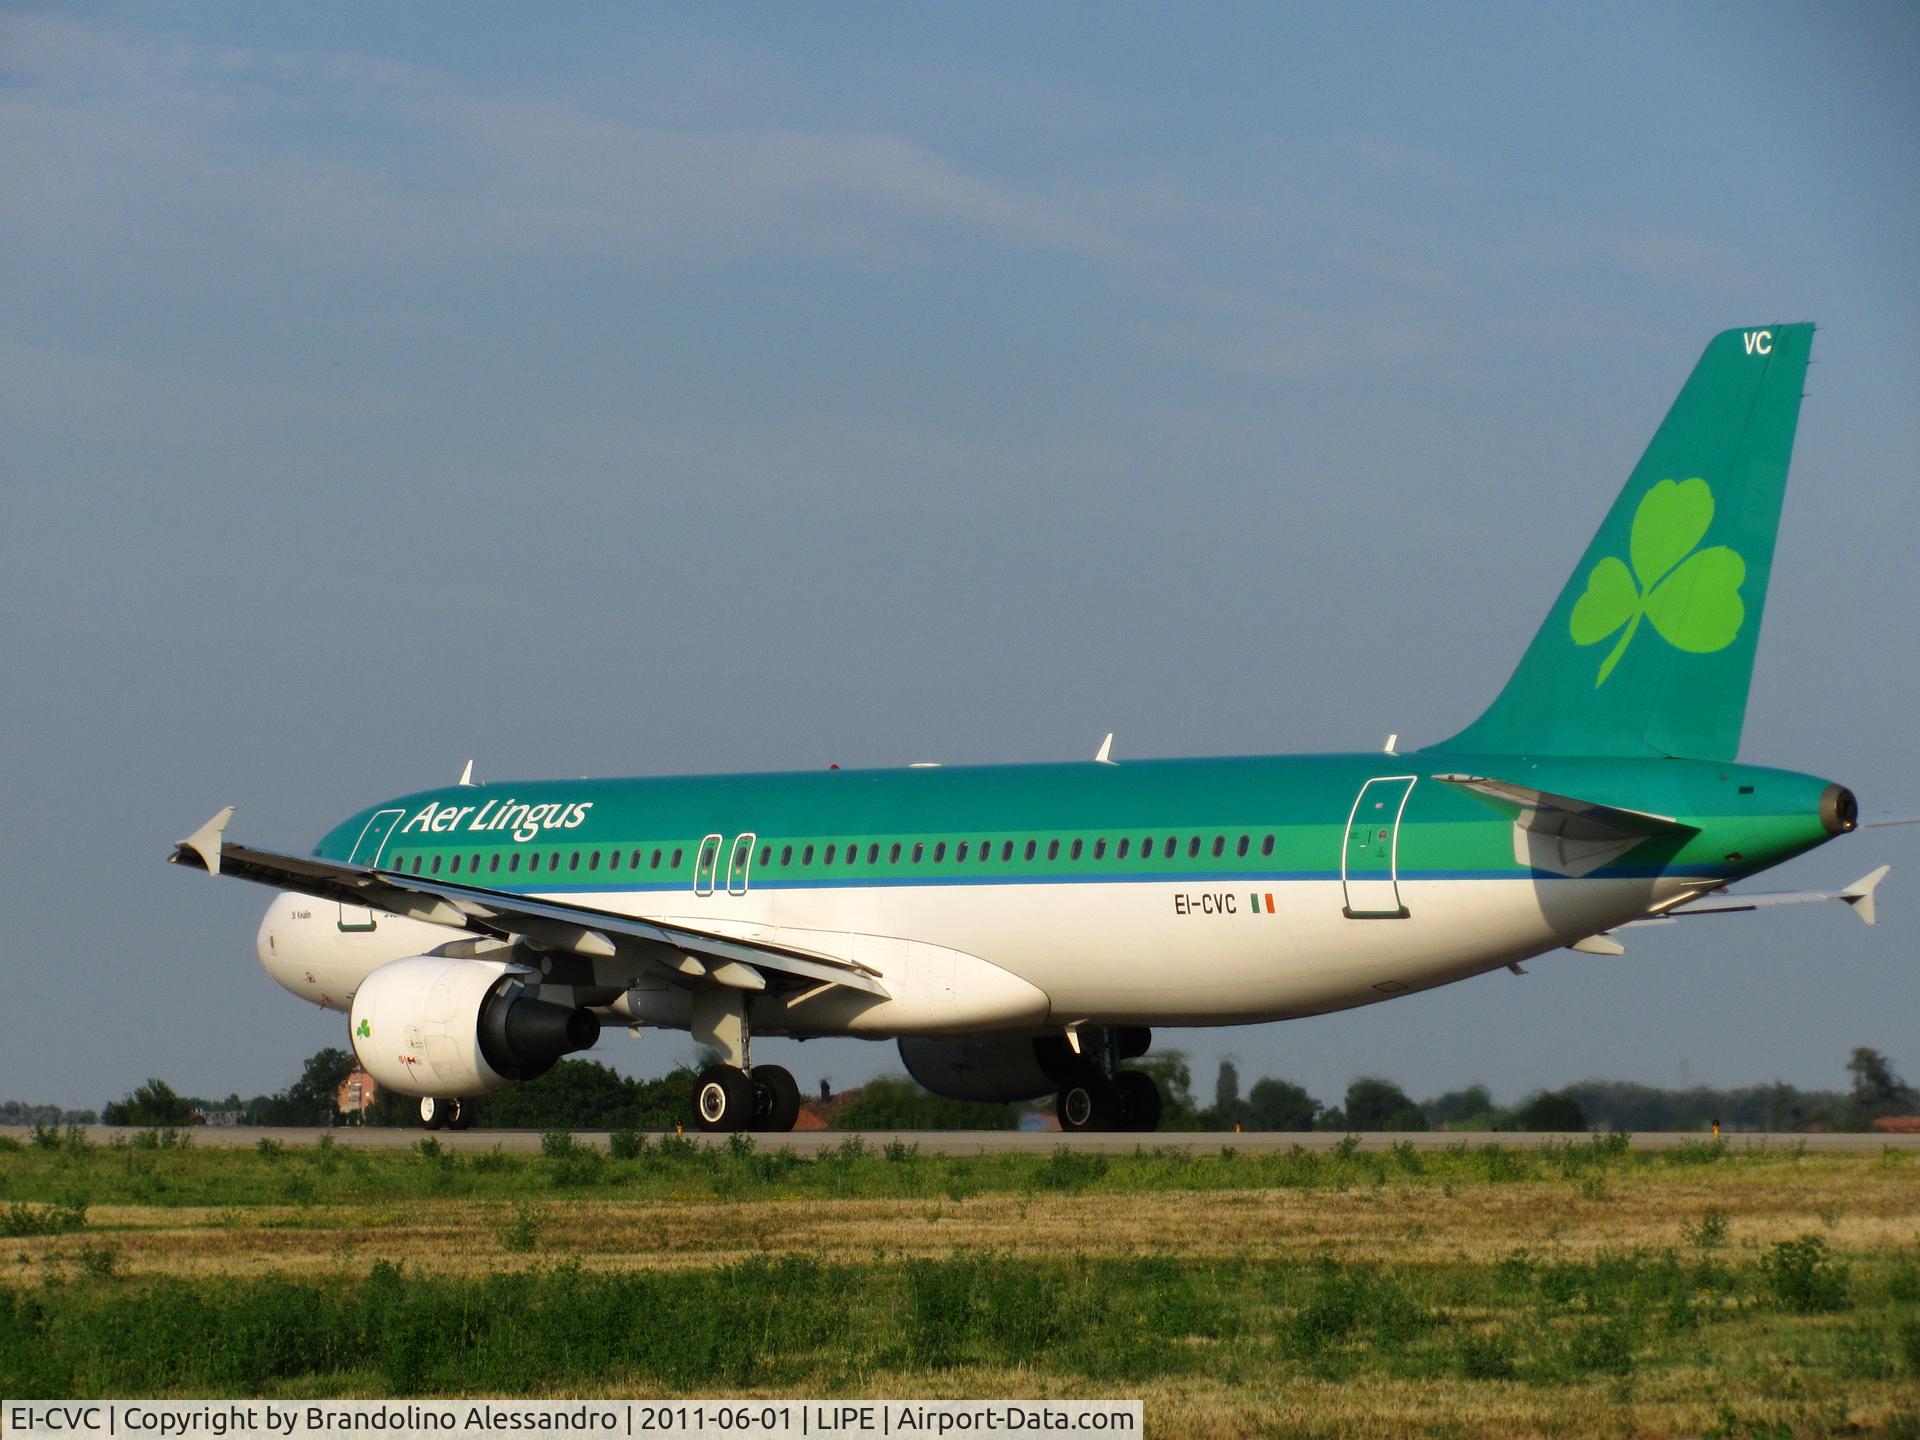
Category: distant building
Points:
column 1898, row 1124
column 356, row 1093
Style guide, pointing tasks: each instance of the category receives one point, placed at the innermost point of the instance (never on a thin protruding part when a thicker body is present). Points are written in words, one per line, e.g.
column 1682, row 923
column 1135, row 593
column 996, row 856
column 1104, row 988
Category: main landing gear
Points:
column 727, row 1097
column 451, row 1114
column 1098, row 1095
column 736, row 1094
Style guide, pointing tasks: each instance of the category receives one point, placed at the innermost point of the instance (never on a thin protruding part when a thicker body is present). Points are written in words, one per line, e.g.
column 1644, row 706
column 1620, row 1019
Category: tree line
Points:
column 588, row 1095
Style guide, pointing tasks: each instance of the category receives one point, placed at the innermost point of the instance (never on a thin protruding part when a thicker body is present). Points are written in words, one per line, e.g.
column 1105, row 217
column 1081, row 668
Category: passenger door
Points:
column 366, row 851
column 1370, row 859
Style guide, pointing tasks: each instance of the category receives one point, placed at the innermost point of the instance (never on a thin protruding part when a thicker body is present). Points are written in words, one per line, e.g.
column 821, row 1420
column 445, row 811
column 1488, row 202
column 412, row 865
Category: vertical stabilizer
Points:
column 1649, row 649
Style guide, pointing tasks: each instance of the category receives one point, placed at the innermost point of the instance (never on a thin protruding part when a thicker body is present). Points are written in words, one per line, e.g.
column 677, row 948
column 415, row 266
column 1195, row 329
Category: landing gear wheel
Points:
column 1091, row 1103
column 433, row 1112
column 462, row 1115
column 1139, row 1100
column 723, row 1098
column 776, row 1098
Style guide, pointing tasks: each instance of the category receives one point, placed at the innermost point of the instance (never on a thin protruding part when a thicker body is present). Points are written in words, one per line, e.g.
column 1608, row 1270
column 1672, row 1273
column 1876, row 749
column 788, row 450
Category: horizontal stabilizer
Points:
column 1563, row 835
column 1858, row 897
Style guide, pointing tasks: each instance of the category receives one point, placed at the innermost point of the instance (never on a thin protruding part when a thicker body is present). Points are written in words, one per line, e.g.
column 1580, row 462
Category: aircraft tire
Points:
column 462, row 1116
column 723, row 1099
column 433, row 1112
column 1139, row 1101
column 1089, row 1103
column 776, row 1098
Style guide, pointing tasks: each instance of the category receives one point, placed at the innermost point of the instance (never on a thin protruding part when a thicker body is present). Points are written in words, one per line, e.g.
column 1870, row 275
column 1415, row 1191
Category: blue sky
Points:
column 706, row 388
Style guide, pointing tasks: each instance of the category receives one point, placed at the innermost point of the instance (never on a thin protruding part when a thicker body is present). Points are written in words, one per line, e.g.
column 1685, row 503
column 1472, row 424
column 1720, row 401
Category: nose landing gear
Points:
column 450, row 1114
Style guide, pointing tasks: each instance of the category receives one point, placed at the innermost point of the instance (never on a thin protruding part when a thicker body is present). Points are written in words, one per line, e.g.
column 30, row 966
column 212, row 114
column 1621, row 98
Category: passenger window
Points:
column 1266, row 846
column 960, row 853
column 827, row 859
column 493, row 862
column 593, row 861
column 1146, row 848
column 654, row 864
column 1241, row 848
column 677, row 853
column 873, row 853
column 633, row 862
column 766, row 855
column 1172, row 843
column 1100, row 849
column 553, row 860
column 416, row 864
column 454, row 868
column 986, row 851
column 513, row 861
column 1193, row 847
column 918, row 851
column 853, row 853
column 1120, row 850
column 1219, row 846
column 806, row 856
column 473, row 864
column 1073, row 851
column 1032, row 846
column 939, row 852
column 573, row 861
column 436, row 864
column 613, row 860
column 893, row 853
column 786, row 855
column 1006, row 851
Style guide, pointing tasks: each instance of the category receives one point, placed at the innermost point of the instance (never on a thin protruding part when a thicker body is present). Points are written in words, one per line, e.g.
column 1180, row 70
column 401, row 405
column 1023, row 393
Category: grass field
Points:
column 1480, row 1290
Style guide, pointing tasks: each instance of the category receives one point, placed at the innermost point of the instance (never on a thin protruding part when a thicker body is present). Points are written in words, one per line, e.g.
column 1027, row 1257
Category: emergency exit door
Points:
column 1370, row 860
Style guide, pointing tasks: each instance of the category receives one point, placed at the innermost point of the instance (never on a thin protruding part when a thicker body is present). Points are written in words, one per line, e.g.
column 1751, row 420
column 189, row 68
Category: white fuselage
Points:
column 957, row 959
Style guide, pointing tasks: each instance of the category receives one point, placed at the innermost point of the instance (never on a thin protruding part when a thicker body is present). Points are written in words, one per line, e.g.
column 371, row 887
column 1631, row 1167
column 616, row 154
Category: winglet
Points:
column 205, row 842
column 466, row 776
column 1105, row 755
column 1860, row 894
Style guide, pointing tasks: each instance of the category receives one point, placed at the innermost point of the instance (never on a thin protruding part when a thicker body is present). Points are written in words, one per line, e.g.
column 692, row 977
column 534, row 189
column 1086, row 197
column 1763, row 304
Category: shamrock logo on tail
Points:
column 1691, row 596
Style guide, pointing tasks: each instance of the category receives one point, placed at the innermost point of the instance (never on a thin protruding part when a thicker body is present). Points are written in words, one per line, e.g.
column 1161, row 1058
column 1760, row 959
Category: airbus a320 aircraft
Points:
column 1017, row 929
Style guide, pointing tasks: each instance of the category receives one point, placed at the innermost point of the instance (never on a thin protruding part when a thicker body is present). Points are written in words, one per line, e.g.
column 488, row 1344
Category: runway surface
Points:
column 985, row 1142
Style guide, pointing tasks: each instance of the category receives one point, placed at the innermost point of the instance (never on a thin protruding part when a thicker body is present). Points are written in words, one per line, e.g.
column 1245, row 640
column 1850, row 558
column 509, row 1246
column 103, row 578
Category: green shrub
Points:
column 57, row 1219
column 522, row 1232
column 1070, row 1169
column 102, row 1262
column 1709, row 1232
column 627, row 1144
column 1803, row 1276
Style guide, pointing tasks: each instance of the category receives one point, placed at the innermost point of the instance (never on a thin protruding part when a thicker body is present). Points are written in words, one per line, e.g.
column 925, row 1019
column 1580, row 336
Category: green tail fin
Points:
column 1649, row 649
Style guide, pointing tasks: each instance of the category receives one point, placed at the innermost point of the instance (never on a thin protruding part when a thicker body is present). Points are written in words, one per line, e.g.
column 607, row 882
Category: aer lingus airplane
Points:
column 1017, row 929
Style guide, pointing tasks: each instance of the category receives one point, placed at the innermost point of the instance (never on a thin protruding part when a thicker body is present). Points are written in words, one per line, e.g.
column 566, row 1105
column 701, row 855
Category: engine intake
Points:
column 432, row 1025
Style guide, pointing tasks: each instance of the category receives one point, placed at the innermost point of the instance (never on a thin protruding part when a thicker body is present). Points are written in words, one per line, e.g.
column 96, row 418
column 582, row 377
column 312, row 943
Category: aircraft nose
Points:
column 1839, row 810
column 273, row 924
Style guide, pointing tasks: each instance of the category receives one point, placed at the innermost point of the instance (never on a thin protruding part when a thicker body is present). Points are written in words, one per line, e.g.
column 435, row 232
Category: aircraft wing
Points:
column 696, row 956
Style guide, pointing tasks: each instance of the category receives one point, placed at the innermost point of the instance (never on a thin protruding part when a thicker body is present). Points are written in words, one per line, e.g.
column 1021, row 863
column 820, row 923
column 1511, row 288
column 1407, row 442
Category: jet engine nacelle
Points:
column 1011, row 1065
column 429, row 1025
